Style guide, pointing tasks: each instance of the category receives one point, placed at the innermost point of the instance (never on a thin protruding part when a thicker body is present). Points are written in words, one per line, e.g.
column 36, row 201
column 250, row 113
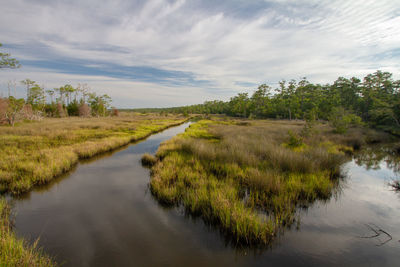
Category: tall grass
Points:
column 14, row 251
column 244, row 177
column 36, row 152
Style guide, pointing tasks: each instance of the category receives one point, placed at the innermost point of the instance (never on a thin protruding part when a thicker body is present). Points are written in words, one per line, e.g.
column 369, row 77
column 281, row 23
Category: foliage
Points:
column 99, row 104
column 73, row 108
column 11, row 110
column 375, row 99
column 36, row 97
column 341, row 119
column 7, row 62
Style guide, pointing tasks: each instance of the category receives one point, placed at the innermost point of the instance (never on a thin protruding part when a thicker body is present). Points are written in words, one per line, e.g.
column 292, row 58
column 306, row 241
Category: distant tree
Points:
column 28, row 83
column 51, row 92
column 68, row 90
column 36, row 97
column 341, row 119
column 99, row 104
column 7, row 62
column 12, row 109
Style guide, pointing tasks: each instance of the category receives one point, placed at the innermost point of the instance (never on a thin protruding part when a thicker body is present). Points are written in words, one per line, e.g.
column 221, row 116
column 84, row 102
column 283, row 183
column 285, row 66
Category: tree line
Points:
column 374, row 100
column 63, row 101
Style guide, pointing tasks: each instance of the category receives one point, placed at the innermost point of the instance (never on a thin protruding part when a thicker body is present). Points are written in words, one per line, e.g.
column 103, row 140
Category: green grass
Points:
column 244, row 177
column 14, row 251
column 35, row 153
column 148, row 160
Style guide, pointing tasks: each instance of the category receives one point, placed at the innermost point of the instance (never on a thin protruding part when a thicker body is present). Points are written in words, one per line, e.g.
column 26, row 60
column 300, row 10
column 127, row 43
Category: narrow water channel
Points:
column 102, row 214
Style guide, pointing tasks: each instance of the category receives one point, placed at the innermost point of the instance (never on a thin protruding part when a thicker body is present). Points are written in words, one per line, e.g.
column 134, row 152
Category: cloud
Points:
column 213, row 48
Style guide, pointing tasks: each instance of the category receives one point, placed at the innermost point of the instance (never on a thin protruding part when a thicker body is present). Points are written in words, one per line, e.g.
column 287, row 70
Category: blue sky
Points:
column 176, row 52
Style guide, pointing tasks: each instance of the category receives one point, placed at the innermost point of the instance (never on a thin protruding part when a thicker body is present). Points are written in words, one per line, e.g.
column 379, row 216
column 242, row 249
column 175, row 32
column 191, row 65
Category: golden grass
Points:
column 244, row 177
column 36, row 152
column 14, row 251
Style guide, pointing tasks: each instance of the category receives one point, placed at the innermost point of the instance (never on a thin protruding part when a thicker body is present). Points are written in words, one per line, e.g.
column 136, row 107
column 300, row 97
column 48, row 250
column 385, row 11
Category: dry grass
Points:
column 36, row 152
column 245, row 177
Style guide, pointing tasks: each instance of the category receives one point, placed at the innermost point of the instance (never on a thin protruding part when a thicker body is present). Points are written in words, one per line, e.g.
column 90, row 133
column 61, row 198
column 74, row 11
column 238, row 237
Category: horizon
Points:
column 148, row 54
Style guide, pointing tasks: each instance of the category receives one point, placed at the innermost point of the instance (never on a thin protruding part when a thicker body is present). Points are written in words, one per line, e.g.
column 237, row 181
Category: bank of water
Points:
column 102, row 214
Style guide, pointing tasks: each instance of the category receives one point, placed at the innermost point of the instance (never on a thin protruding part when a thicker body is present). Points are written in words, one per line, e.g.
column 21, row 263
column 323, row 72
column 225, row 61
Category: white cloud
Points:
column 285, row 39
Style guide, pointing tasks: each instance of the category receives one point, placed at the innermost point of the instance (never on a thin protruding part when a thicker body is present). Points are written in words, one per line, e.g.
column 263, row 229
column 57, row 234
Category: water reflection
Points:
column 373, row 157
column 101, row 214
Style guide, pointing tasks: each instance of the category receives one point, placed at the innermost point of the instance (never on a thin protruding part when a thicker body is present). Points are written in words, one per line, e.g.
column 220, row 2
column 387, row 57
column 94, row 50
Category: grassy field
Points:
column 14, row 251
column 33, row 153
column 250, row 177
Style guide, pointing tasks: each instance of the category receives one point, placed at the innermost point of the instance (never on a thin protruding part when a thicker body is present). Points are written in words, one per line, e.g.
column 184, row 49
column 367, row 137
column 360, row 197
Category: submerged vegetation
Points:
column 250, row 177
column 34, row 153
column 14, row 251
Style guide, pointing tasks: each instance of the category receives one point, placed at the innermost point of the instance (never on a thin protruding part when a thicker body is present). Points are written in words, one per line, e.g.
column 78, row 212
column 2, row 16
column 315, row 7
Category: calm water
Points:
column 102, row 214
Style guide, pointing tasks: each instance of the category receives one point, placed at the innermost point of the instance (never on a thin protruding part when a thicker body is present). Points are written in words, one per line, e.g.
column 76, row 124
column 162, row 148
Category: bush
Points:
column 51, row 110
column 3, row 110
column 114, row 112
column 73, row 109
column 61, row 111
column 84, row 110
column 294, row 140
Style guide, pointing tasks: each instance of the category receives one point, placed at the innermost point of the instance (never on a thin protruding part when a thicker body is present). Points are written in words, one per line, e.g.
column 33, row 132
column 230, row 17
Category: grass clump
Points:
column 249, row 180
column 148, row 160
column 34, row 153
column 14, row 251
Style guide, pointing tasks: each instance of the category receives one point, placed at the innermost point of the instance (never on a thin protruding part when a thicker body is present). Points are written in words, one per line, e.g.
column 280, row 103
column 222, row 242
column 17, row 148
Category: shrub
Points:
column 294, row 140
column 73, row 109
column 114, row 112
column 84, row 110
column 61, row 111
column 27, row 112
column 3, row 110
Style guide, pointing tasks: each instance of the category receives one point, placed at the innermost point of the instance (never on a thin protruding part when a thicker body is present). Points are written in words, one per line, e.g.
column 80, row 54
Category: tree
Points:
column 7, row 62
column 239, row 105
column 68, row 90
column 13, row 109
column 341, row 119
column 259, row 100
column 28, row 83
column 36, row 97
column 50, row 92
column 99, row 104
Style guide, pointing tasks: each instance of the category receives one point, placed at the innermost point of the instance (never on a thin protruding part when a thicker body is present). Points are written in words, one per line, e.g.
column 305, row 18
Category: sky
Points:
column 162, row 53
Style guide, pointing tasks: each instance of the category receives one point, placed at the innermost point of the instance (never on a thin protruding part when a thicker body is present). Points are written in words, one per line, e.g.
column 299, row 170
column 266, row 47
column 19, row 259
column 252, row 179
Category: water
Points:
column 102, row 214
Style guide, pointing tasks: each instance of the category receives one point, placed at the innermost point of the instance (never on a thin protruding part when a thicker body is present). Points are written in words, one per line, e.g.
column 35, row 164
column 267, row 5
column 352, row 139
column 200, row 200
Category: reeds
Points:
column 243, row 177
column 14, row 251
column 148, row 160
column 34, row 153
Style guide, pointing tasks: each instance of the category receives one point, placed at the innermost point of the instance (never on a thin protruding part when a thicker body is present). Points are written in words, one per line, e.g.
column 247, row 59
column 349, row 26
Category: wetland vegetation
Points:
column 250, row 177
column 34, row 153
column 15, row 251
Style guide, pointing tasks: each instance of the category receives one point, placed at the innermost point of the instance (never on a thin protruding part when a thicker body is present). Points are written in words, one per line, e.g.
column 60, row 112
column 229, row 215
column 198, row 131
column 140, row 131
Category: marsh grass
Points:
column 148, row 160
column 14, row 251
column 245, row 178
column 34, row 153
